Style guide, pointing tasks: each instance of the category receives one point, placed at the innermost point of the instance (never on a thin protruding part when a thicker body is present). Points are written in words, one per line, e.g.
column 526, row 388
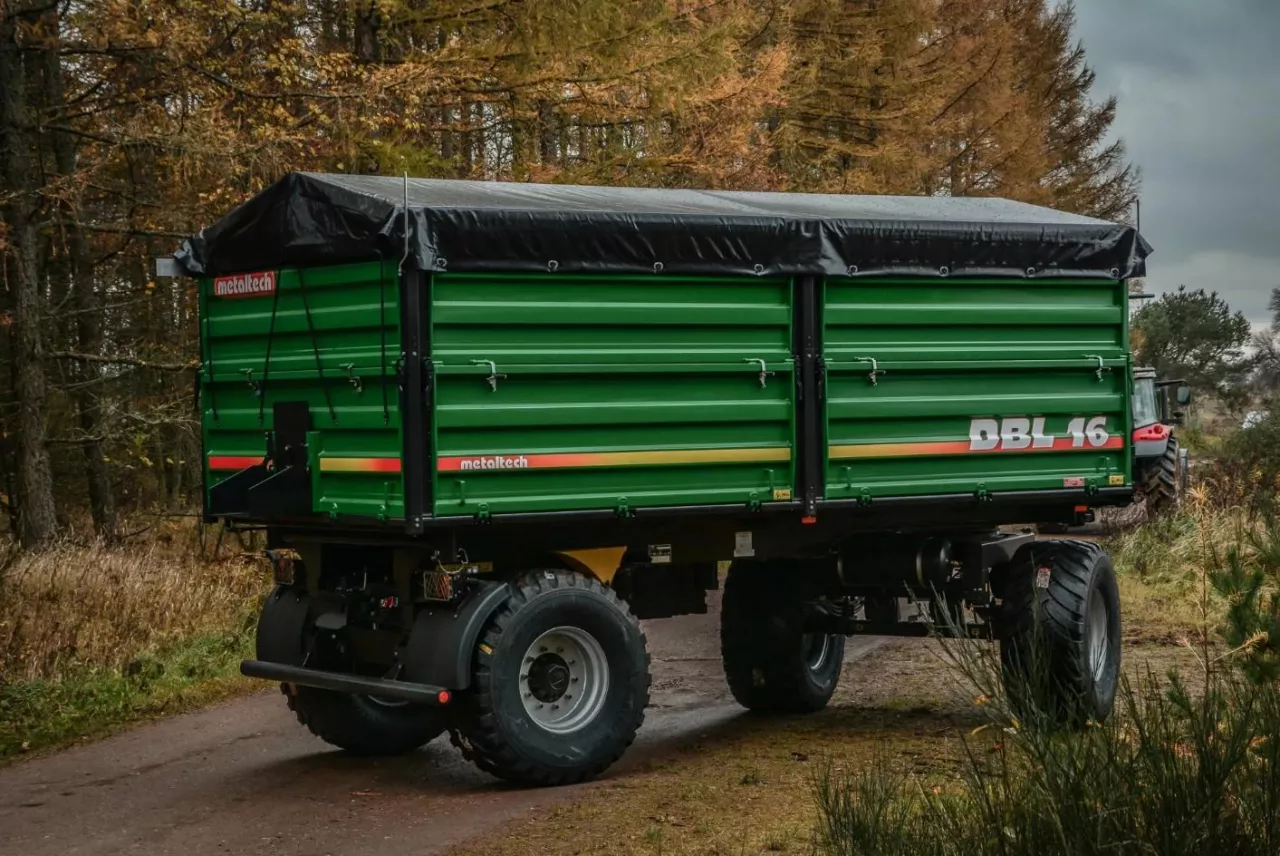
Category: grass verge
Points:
column 92, row 638
column 92, row 701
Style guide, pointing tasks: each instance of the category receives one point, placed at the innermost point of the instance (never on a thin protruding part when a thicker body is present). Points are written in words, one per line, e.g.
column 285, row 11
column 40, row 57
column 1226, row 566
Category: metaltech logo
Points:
column 258, row 284
column 494, row 462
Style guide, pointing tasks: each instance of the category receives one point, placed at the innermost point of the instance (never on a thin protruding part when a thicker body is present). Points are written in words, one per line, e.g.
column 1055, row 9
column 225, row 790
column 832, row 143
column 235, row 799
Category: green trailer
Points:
column 487, row 427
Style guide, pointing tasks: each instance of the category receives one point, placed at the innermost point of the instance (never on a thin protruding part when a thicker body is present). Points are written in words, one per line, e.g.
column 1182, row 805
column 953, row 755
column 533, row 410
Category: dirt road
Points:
column 244, row 777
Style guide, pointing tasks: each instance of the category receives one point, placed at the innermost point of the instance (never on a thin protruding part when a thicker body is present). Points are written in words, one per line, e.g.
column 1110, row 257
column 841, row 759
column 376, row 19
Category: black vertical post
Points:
column 416, row 388
column 809, row 389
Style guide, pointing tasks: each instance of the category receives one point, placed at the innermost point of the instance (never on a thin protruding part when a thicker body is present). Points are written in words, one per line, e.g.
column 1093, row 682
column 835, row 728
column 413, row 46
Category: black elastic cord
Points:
column 382, row 329
column 208, row 338
column 266, row 363
column 315, row 347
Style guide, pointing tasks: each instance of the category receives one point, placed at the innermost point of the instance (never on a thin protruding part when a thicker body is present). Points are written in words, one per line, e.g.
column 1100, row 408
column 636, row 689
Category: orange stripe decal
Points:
column 572, row 460
column 233, row 462
column 359, row 465
column 961, row 447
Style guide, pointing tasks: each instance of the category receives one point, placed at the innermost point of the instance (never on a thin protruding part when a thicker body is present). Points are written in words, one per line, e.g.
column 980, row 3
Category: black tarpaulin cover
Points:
column 317, row 219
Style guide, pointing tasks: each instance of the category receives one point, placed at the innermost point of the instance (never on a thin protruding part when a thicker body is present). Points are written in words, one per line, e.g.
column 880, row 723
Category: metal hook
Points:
column 764, row 370
column 875, row 368
column 492, row 379
column 253, row 384
column 352, row 377
column 1101, row 367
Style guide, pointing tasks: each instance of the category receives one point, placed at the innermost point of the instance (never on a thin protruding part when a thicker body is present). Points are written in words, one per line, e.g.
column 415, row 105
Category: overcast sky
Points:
column 1199, row 89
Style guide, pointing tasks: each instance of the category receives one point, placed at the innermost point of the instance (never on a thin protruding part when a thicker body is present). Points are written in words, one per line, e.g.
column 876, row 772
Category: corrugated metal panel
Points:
column 339, row 362
column 615, row 393
column 985, row 385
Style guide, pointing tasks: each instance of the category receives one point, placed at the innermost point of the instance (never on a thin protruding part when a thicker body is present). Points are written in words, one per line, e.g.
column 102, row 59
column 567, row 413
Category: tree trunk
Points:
column 88, row 325
column 38, row 522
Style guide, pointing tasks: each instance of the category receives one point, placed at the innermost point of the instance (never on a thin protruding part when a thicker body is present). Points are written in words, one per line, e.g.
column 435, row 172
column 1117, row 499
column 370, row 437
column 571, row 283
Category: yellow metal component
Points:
column 601, row 563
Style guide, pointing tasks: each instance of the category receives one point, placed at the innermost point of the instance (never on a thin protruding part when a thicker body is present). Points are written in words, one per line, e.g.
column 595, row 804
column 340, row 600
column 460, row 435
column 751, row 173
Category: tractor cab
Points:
column 1160, row 463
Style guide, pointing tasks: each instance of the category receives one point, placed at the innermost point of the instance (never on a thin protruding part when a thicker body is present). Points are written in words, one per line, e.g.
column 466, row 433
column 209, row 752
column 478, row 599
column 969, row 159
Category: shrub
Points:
column 1180, row 769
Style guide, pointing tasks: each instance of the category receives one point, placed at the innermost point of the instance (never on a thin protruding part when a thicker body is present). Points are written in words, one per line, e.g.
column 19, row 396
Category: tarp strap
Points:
column 266, row 362
column 315, row 347
column 382, row 328
column 213, row 400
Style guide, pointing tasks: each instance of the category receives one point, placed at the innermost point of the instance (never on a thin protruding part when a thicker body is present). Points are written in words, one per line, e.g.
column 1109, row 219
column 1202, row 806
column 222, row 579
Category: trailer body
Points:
column 488, row 426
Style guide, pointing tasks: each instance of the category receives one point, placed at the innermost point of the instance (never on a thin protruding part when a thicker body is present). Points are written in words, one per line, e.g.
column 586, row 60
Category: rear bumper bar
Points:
column 381, row 687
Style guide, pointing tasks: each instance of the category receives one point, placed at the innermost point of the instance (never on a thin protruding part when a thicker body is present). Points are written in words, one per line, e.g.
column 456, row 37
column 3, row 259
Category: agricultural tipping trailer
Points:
column 488, row 426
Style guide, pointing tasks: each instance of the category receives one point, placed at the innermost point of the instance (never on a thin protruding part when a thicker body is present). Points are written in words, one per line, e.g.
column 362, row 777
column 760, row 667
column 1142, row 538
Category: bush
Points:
column 1178, row 770
column 1246, row 468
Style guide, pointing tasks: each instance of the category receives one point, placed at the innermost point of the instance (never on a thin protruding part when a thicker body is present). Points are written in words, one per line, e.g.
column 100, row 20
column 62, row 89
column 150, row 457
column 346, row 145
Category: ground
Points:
column 243, row 777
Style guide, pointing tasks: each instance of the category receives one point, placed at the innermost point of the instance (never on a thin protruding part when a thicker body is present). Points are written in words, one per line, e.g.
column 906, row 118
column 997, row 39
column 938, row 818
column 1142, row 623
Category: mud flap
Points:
column 281, row 626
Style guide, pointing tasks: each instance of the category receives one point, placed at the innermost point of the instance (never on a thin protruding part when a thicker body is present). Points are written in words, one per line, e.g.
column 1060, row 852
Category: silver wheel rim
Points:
column 817, row 649
column 564, row 679
column 1099, row 634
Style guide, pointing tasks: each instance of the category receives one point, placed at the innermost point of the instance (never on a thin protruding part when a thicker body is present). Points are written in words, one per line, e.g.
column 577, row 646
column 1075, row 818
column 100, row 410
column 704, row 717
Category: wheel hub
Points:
column 564, row 679
column 549, row 677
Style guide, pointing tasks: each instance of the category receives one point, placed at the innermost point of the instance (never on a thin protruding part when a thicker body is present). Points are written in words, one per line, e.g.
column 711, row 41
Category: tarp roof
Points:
column 316, row 219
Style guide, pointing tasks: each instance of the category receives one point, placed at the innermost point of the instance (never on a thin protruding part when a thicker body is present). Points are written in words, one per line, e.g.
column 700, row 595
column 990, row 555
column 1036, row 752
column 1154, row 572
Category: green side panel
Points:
column 575, row 391
column 342, row 362
column 982, row 385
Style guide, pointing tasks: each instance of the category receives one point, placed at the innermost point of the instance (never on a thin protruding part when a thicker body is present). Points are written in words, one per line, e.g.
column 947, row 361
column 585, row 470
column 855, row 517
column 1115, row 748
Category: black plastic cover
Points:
column 316, row 219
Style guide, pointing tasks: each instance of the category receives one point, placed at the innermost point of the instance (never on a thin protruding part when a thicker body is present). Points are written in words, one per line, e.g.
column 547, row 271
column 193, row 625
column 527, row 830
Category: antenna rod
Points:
column 405, row 257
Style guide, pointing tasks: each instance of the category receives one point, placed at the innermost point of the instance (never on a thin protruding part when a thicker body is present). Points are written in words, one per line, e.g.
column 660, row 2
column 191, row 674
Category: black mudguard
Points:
column 443, row 639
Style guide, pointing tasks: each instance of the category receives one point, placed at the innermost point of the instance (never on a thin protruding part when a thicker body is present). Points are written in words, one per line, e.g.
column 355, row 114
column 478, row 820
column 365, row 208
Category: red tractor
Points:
column 1160, row 463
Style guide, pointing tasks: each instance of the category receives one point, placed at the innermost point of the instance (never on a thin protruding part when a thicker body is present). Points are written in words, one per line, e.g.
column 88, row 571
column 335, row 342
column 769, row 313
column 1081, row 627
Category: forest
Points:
column 126, row 125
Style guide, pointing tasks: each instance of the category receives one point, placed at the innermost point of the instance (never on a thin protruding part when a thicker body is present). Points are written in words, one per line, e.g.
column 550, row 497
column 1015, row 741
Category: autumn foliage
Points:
column 125, row 124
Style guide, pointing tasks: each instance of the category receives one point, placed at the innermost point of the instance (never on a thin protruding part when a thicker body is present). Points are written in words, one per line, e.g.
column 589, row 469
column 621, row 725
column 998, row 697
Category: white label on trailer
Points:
column 742, row 545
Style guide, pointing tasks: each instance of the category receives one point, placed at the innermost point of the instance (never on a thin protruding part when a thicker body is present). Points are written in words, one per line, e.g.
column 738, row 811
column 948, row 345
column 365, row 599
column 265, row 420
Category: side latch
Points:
column 493, row 377
column 1101, row 369
column 875, row 372
column 764, row 370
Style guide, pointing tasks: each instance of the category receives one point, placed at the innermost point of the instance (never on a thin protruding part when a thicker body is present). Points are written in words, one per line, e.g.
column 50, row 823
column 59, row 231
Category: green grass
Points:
column 91, row 701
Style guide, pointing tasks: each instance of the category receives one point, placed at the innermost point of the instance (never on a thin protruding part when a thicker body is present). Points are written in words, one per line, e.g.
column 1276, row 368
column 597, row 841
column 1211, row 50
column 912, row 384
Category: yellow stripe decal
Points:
column 569, row 460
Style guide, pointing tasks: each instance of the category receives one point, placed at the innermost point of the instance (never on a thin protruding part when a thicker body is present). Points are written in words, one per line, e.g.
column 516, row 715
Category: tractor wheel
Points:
column 1163, row 480
column 770, row 663
column 1060, row 623
column 360, row 724
column 559, row 685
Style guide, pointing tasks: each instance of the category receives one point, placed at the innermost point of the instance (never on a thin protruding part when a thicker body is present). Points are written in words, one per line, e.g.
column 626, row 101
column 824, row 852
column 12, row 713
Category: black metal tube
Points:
column 403, row 690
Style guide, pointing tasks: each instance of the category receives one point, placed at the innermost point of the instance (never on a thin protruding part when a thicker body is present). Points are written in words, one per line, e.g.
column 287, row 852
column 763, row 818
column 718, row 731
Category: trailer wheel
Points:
column 770, row 663
column 559, row 686
column 362, row 725
column 1060, row 648
column 1163, row 479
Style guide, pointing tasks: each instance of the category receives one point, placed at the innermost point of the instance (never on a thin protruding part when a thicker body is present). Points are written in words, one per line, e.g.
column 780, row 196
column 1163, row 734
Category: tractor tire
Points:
column 519, row 720
column 1163, row 480
column 1060, row 633
column 362, row 725
column 770, row 663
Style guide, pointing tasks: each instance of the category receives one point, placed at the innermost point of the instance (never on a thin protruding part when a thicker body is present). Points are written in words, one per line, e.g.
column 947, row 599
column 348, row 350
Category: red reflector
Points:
column 809, row 521
column 1082, row 508
column 1151, row 432
column 443, row 697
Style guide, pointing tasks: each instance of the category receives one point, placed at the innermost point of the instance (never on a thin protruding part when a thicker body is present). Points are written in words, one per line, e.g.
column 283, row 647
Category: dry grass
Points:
column 1162, row 566
column 94, row 638
column 75, row 606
